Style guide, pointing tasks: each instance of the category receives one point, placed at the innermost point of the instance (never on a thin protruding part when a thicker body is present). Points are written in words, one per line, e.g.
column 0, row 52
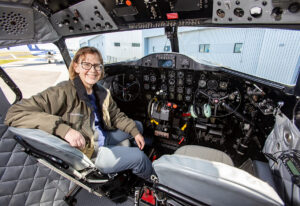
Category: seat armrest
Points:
column 54, row 146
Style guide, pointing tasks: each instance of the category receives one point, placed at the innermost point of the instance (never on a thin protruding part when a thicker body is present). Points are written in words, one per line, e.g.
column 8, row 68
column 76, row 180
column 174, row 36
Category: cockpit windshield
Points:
column 260, row 52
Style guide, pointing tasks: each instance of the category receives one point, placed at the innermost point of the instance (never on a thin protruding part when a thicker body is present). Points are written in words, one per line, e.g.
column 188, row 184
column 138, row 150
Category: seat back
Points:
column 213, row 183
column 282, row 146
column 24, row 181
column 4, row 105
column 205, row 153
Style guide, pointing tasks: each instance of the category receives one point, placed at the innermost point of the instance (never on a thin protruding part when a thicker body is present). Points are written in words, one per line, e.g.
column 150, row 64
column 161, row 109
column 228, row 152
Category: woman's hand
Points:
column 139, row 139
column 75, row 138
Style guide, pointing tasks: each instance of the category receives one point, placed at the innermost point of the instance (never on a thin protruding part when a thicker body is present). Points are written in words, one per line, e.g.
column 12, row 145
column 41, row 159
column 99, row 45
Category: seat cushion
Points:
column 205, row 153
column 213, row 183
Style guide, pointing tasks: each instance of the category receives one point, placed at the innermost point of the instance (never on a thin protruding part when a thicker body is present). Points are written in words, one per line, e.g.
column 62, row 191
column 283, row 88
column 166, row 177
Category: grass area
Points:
column 16, row 54
column 4, row 61
column 27, row 56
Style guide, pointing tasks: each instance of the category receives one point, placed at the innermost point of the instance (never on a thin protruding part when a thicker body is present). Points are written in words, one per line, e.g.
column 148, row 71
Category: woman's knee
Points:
column 139, row 157
column 144, row 166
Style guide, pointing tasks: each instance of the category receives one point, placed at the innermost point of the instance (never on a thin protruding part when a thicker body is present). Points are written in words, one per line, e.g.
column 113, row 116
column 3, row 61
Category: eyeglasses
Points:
column 88, row 66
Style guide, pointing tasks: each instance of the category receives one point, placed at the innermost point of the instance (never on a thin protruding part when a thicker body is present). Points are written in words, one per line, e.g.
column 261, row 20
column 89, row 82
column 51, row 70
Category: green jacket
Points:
column 65, row 106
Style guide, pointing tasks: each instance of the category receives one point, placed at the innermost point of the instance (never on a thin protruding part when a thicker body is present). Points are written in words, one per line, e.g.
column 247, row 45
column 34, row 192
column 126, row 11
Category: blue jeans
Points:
column 112, row 158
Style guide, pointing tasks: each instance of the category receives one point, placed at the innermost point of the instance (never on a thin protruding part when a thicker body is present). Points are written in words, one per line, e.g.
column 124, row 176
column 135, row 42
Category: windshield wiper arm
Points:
column 171, row 32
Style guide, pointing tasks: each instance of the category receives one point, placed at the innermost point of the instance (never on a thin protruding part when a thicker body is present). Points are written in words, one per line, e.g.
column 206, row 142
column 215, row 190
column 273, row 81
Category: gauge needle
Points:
column 131, row 84
column 120, row 85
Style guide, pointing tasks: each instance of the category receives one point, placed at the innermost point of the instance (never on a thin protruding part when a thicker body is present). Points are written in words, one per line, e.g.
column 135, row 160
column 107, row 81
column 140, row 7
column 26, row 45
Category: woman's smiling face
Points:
column 91, row 76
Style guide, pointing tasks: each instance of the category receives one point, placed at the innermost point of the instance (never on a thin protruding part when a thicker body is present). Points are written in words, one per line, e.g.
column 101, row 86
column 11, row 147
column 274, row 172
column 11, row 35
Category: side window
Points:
column 135, row 44
column 204, row 48
column 33, row 68
column 238, row 48
column 167, row 48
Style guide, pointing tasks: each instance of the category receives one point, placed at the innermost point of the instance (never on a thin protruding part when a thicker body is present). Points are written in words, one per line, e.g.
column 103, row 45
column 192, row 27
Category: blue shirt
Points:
column 102, row 133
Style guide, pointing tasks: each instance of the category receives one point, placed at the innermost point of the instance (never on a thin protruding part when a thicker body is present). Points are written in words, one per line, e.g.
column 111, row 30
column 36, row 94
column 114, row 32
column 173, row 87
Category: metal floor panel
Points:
column 84, row 198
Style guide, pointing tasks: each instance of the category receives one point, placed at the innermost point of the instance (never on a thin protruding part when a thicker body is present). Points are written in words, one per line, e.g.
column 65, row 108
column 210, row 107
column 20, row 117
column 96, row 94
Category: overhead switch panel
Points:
column 256, row 12
column 84, row 17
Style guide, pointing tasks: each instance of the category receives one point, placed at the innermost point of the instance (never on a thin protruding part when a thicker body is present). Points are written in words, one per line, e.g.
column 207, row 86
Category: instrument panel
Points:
column 181, row 101
column 170, row 84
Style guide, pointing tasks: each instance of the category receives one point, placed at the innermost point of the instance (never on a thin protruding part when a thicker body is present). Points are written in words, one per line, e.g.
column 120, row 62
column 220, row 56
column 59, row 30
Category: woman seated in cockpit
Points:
column 85, row 115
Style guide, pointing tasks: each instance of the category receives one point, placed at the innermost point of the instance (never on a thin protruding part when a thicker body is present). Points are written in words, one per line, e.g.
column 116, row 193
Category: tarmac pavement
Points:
column 33, row 76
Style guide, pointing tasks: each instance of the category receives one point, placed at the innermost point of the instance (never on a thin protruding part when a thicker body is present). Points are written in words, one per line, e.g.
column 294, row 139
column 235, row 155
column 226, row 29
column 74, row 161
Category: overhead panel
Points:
column 84, row 17
column 24, row 2
column 16, row 22
column 256, row 12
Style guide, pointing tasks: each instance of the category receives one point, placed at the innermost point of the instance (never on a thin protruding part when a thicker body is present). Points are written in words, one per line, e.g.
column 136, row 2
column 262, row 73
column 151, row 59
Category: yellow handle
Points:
column 184, row 127
column 155, row 122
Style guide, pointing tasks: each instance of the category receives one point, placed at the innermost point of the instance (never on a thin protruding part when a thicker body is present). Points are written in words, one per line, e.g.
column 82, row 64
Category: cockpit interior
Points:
column 180, row 99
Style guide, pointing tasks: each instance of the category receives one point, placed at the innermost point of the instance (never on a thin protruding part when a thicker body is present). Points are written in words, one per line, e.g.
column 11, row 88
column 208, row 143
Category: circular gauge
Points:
column 146, row 78
column 179, row 97
column 188, row 98
column 180, row 75
column 131, row 77
column 153, row 78
column 212, row 84
column 201, row 83
column 188, row 90
column 148, row 96
column 171, row 81
column 164, row 87
column 223, row 85
column 180, row 82
column 189, row 79
column 171, row 96
column 171, row 74
column 172, row 89
column 180, row 90
column 146, row 86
